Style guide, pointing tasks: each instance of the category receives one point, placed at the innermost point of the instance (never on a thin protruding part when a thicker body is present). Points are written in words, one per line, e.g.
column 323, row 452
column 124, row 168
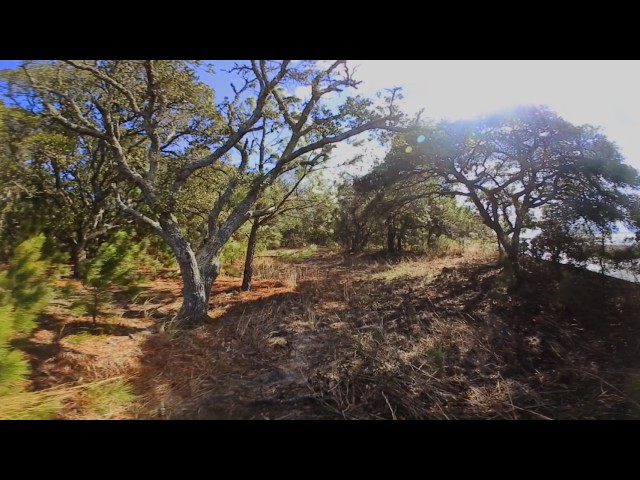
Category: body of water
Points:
column 622, row 274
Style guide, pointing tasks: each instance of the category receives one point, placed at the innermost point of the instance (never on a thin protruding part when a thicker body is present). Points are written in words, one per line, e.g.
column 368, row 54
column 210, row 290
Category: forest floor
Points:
column 336, row 336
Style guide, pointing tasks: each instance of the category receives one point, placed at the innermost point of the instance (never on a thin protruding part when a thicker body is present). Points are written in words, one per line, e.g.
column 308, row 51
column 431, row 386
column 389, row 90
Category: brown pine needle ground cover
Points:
column 357, row 337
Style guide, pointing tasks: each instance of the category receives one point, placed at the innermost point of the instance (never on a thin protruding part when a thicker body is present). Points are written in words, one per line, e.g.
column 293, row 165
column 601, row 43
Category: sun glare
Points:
column 601, row 93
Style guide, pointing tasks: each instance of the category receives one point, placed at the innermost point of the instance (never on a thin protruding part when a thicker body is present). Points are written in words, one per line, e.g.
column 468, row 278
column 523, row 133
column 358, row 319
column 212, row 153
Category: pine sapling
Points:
column 115, row 264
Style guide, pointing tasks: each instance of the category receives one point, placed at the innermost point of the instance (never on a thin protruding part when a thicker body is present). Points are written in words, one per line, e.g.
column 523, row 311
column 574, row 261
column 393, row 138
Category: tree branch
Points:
column 246, row 127
column 135, row 213
column 106, row 78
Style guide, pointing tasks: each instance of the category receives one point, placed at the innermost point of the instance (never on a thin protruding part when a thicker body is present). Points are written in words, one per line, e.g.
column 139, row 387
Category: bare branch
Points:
column 106, row 78
column 261, row 212
column 135, row 213
column 373, row 124
column 83, row 127
column 150, row 125
column 233, row 139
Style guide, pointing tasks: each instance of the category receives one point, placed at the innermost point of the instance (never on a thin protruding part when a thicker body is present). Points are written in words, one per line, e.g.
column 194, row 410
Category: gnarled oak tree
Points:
column 162, row 127
column 512, row 163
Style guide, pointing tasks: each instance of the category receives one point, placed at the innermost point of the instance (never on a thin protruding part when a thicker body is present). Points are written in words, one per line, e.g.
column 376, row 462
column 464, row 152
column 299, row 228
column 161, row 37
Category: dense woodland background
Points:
column 119, row 173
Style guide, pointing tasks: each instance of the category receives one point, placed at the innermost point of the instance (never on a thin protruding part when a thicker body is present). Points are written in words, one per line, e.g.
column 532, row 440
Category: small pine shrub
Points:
column 26, row 286
column 105, row 399
column 230, row 256
column 115, row 264
column 25, row 291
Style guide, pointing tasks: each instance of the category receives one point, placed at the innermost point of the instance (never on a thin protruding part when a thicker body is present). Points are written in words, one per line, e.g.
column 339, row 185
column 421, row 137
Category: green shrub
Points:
column 82, row 337
column 233, row 251
column 104, row 399
column 25, row 291
column 115, row 264
column 299, row 255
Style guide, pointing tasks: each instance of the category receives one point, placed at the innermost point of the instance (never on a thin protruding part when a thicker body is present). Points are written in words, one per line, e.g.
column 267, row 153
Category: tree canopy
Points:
column 162, row 130
column 511, row 164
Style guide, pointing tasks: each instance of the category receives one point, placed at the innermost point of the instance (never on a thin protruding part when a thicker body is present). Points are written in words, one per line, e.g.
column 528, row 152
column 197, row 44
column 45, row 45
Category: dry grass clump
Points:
column 399, row 375
column 42, row 405
column 257, row 332
column 428, row 266
column 177, row 367
column 455, row 349
column 98, row 399
column 270, row 268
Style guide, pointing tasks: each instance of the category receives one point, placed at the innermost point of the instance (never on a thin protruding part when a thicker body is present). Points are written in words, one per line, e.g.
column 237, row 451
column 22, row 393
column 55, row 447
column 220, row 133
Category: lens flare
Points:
column 409, row 149
column 421, row 138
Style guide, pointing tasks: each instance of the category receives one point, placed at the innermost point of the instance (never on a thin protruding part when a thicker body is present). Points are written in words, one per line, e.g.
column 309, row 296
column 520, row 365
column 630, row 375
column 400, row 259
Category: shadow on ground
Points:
column 445, row 340
column 464, row 345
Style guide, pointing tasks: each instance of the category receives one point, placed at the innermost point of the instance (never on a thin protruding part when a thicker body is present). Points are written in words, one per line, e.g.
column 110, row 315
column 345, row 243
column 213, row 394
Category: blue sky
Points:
column 603, row 93
column 9, row 63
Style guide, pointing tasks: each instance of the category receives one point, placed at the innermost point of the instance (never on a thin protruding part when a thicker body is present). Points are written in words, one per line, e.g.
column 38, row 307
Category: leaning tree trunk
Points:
column 248, row 261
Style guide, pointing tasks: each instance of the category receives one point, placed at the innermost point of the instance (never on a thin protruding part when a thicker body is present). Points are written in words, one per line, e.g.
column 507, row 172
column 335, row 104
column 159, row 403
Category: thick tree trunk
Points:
column 78, row 251
column 391, row 235
column 78, row 257
column 248, row 261
column 209, row 275
column 358, row 240
column 198, row 275
column 195, row 299
column 400, row 237
column 200, row 271
column 511, row 257
column 500, row 250
column 355, row 246
column 196, row 292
